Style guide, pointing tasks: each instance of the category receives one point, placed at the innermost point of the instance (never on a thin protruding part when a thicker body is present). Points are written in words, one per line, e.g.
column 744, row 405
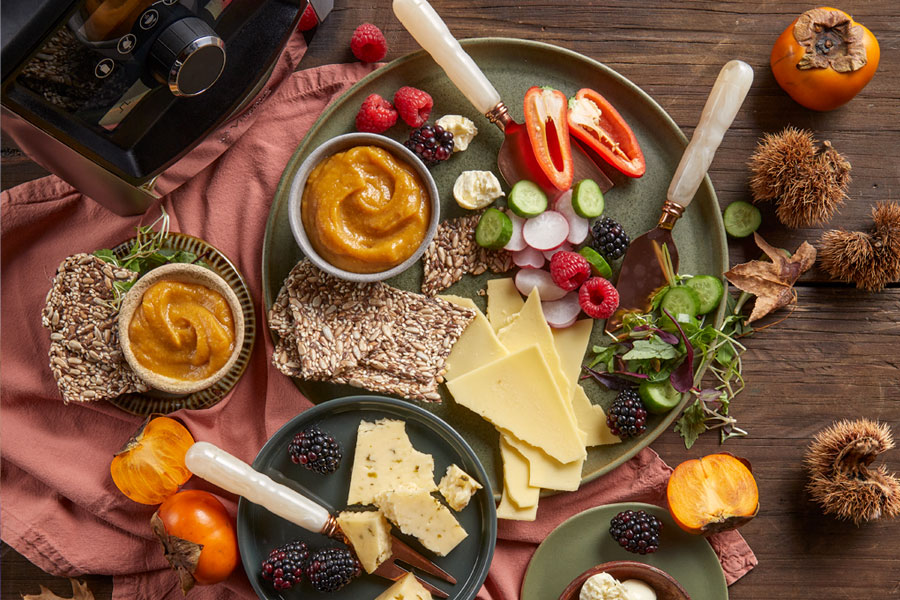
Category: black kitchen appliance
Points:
column 108, row 94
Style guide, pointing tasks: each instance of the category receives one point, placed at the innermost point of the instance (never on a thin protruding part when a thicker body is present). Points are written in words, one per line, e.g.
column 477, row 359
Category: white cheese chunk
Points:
column 405, row 588
column 462, row 128
column 419, row 514
column 457, row 487
column 369, row 534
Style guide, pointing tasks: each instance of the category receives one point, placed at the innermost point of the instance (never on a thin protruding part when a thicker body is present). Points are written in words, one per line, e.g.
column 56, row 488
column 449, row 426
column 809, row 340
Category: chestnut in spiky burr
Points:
column 807, row 183
column 871, row 260
column 840, row 477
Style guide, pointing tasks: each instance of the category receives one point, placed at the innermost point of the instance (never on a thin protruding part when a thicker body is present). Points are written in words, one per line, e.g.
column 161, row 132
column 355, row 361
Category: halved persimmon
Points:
column 711, row 494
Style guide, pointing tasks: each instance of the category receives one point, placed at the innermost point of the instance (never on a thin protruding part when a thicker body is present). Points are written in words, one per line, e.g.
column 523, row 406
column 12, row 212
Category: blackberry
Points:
column 610, row 239
column 331, row 569
column 431, row 143
column 284, row 566
column 316, row 450
column 637, row 532
column 627, row 417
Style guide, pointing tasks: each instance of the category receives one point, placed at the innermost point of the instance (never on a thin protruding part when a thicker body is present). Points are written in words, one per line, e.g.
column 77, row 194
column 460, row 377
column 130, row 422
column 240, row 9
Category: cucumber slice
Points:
column 598, row 264
column 741, row 219
column 659, row 396
column 587, row 199
column 494, row 229
column 527, row 199
column 681, row 300
column 710, row 290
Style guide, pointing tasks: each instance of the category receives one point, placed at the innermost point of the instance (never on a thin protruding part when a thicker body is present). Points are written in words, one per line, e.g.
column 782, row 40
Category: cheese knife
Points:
column 641, row 273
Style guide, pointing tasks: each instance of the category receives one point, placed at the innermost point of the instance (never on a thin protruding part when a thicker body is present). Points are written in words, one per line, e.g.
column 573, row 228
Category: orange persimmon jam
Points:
column 364, row 210
column 182, row 330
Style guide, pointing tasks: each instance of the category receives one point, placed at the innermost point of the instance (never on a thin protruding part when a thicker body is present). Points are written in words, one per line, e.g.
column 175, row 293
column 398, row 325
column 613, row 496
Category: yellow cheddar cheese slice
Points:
column 508, row 510
column 515, row 476
column 571, row 343
column 477, row 346
column 547, row 472
column 518, row 393
column 592, row 420
column 504, row 302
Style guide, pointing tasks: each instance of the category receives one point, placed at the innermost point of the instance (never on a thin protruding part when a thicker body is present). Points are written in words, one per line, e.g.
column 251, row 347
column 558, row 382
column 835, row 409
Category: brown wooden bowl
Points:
column 663, row 584
column 186, row 273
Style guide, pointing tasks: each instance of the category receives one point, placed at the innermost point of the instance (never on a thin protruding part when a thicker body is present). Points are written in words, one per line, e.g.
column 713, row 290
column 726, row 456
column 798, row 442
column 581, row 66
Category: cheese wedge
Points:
column 369, row 534
column 477, row 346
column 405, row 588
column 457, row 487
column 515, row 476
column 518, row 394
column 592, row 420
column 508, row 510
column 419, row 514
column 504, row 302
column 546, row 472
column 385, row 458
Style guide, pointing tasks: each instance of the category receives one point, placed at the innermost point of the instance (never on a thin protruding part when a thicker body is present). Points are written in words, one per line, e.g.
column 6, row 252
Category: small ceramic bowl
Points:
column 663, row 584
column 332, row 147
column 185, row 273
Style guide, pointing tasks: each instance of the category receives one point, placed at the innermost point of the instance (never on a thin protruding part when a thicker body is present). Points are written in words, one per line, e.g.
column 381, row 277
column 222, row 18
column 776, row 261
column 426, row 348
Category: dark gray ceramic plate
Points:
column 513, row 66
column 584, row 541
column 259, row 531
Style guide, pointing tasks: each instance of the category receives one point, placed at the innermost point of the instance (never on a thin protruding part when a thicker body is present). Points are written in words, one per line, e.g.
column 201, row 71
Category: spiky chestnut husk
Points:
column 840, row 479
column 808, row 183
column 870, row 260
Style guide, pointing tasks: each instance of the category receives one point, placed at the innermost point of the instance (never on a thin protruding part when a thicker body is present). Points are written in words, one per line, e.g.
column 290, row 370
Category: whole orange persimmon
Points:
column 824, row 58
column 198, row 536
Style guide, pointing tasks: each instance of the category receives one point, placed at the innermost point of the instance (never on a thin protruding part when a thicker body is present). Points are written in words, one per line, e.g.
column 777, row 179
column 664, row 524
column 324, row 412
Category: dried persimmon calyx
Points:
column 831, row 39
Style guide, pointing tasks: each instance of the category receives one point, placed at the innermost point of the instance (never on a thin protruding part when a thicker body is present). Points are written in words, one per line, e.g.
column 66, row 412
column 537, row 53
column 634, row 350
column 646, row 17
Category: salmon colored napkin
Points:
column 59, row 506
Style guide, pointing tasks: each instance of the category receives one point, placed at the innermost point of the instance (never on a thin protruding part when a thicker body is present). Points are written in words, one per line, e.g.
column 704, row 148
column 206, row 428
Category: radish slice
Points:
column 528, row 279
column 563, row 312
column 546, row 231
column 565, row 246
column 529, row 258
column 578, row 226
column 516, row 242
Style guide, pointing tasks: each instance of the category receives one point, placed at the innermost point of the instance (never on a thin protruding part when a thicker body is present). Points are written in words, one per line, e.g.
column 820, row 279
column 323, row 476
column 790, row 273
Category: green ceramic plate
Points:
column 160, row 402
column 259, row 531
column 584, row 541
column 513, row 66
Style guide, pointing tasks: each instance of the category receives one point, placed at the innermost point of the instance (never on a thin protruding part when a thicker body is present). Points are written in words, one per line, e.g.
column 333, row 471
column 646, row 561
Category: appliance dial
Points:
column 188, row 56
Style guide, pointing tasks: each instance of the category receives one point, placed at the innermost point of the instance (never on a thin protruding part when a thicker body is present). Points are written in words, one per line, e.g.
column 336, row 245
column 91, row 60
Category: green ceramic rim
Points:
column 160, row 402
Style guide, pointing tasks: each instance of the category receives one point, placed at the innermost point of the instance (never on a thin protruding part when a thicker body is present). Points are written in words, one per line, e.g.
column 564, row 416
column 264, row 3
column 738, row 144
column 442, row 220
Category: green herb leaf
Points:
column 652, row 347
column 107, row 255
column 692, row 423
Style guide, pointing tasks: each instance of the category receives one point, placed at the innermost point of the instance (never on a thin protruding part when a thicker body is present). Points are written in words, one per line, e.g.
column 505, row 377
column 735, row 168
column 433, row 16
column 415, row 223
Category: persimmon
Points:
column 824, row 58
column 711, row 494
column 198, row 537
column 150, row 466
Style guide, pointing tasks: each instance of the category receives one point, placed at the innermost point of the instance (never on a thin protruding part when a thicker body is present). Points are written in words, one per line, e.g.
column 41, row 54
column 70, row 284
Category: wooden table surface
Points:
column 837, row 356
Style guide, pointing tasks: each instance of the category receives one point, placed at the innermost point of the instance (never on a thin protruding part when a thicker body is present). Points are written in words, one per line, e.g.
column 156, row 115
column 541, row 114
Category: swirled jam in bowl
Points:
column 180, row 327
column 363, row 207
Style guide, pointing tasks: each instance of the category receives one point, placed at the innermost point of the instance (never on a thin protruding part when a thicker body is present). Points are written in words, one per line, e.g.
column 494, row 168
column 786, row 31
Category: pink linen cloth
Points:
column 59, row 506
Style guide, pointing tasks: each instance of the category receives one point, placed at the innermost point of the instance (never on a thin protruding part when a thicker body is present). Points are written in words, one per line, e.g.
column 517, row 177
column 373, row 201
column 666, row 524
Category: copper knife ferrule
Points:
column 499, row 116
column 671, row 212
column 333, row 530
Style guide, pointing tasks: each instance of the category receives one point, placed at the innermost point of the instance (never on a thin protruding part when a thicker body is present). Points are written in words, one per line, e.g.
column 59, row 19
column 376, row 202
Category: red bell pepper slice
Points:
column 595, row 122
column 548, row 132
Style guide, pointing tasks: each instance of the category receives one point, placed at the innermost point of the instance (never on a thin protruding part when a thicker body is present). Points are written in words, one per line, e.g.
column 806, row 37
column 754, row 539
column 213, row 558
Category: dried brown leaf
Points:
column 80, row 591
column 771, row 282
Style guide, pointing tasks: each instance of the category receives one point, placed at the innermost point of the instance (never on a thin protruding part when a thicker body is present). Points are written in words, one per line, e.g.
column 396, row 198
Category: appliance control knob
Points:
column 188, row 56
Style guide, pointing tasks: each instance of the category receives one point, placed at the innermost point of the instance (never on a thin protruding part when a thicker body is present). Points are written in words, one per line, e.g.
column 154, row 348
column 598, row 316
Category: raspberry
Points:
column 308, row 19
column 431, row 143
column 414, row 105
column 315, row 450
column 627, row 417
column 331, row 569
column 569, row 269
column 637, row 532
column 284, row 566
column 599, row 299
column 376, row 115
column 368, row 43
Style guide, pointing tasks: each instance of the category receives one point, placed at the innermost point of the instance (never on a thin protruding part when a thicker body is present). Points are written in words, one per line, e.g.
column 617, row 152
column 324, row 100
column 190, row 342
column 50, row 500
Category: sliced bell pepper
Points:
column 595, row 122
column 548, row 132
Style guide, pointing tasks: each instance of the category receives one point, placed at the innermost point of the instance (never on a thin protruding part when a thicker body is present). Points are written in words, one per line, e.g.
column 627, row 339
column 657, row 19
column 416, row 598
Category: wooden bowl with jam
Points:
column 181, row 328
column 363, row 207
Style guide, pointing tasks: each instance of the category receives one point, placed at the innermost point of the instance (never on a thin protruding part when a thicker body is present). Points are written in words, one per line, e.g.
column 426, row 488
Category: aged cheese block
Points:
column 419, row 514
column 477, row 346
column 385, row 458
column 405, row 588
column 457, row 487
column 518, row 394
column 592, row 420
column 547, row 472
column 369, row 534
column 504, row 302
column 515, row 476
